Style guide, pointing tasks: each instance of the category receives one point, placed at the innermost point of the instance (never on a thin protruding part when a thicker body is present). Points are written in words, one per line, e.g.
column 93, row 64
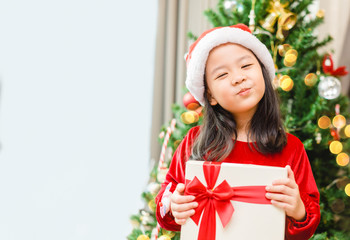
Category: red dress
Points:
column 293, row 154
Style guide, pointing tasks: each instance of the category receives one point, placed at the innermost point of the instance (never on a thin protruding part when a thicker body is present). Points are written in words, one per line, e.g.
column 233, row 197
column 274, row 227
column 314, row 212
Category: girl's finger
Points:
column 280, row 198
column 184, row 207
column 280, row 189
column 282, row 205
column 183, row 215
column 180, row 221
column 290, row 173
column 179, row 199
column 180, row 188
column 285, row 181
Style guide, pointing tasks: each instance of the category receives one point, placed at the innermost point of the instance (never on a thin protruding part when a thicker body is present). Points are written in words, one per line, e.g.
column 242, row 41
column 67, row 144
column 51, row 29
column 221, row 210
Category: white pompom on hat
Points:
column 197, row 56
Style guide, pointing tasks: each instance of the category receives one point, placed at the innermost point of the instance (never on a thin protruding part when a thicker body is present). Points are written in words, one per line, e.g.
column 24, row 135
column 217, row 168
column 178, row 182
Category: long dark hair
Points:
column 215, row 143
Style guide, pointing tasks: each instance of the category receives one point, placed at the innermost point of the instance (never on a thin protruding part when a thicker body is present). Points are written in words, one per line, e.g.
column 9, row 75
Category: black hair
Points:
column 215, row 143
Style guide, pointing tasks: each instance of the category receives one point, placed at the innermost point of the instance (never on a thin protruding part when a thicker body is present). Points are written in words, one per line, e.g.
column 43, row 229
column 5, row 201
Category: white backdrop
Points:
column 75, row 114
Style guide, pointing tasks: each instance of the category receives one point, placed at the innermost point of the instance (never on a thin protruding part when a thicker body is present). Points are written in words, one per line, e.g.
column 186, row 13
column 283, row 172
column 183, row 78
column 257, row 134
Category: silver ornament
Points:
column 329, row 87
column 230, row 5
column 153, row 188
column 162, row 174
column 240, row 7
column 318, row 138
column 146, row 218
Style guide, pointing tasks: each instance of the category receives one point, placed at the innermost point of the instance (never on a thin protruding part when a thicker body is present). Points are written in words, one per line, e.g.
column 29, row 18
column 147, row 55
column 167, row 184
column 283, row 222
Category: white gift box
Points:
column 250, row 221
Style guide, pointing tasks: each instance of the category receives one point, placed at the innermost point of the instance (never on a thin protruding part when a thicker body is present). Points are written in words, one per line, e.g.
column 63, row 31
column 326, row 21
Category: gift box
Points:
column 232, row 202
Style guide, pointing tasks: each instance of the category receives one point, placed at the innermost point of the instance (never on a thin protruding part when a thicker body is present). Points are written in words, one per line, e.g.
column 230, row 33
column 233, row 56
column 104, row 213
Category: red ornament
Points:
column 335, row 134
column 328, row 67
column 190, row 102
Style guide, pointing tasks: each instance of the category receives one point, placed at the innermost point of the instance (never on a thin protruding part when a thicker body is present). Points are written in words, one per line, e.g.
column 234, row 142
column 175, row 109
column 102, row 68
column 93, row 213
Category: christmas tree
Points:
column 313, row 108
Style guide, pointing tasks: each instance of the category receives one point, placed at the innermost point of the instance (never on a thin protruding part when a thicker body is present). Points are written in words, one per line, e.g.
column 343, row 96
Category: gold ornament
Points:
column 347, row 130
column 343, row 159
column 143, row 237
column 339, row 121
column 282, row 49
column 286, row 19
column 189, row 117
column 310, row 79
column 270, row 21
column 324, row 122
column 286, row 83
column 164, row 237
column 336, row 147
column 168, row 233
column 347, row 189
column 320, row 13
column 152, row 205
column 290, row 58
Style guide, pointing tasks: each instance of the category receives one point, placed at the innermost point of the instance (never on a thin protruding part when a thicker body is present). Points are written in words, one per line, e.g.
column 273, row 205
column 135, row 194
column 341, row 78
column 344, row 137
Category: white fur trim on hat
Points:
column 198, row 58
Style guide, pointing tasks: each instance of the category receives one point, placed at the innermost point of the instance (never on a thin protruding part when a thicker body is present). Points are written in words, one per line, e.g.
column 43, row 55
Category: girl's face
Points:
column 234, row 78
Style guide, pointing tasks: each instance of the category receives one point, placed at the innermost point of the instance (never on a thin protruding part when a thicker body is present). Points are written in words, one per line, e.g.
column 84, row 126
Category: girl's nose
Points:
column 238, row 79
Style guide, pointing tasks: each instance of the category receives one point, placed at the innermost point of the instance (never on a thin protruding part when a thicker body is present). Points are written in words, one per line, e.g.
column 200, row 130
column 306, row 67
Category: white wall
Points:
column 75, row 114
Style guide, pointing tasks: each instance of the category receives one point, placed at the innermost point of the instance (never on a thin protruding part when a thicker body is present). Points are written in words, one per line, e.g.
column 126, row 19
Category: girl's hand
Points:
column 182, row 206
column 284, row 193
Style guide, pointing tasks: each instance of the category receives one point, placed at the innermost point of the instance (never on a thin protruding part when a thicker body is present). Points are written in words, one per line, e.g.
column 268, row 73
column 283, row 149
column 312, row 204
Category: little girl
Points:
column 230, row 73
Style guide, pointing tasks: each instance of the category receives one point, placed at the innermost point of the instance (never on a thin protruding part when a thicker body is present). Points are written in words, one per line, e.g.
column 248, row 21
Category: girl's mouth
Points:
column 244, row 91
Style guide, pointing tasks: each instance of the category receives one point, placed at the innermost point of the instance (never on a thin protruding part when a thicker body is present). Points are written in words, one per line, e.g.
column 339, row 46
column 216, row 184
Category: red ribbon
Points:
column 218, row 199
column 328, row 67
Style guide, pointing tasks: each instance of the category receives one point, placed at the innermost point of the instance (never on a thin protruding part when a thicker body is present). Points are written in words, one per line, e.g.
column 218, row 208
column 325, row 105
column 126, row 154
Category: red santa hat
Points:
column 199, row 51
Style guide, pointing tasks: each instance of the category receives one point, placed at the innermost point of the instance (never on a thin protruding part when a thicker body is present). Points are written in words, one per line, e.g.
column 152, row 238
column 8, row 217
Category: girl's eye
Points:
column 221, row 75
column 247, row 65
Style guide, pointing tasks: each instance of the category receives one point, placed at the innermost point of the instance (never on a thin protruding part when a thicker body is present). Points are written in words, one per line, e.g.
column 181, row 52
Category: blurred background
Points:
column 75, row 113
column 85, row 87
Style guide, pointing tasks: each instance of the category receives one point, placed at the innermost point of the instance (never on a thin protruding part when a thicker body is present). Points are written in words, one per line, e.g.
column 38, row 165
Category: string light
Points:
column 347, row 189
column 336, row 147
column 342, row 159
column 282, row 49
column 189, row 117
column 286, row 83
column 310, row 79
column 347, row 130
column 290, row 58
column 324, row 122
column 339, row 121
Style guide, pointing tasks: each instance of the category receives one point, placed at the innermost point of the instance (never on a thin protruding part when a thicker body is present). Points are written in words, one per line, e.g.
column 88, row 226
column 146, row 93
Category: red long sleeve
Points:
column 176, row 174
column 310, row 196
column 293, row 154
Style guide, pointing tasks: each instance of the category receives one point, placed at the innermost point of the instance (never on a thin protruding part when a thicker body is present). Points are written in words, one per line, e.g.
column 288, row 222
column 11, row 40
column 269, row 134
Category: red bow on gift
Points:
column 328, row 67
column 218, row 199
